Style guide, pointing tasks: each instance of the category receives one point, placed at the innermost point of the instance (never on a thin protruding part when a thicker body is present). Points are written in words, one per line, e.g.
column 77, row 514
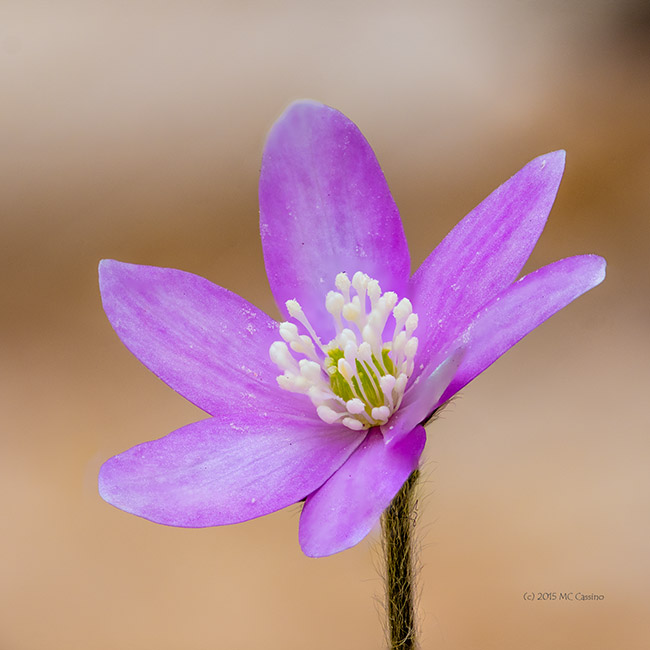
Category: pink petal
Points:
column 484, row 253
column 422, row 398
column 208, row 344
column 325, row 207
column 224, row 470
column 344, row 510
column 521, row 308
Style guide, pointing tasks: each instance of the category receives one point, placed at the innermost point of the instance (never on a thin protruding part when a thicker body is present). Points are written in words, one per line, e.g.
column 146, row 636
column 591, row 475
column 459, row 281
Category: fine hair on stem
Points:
column 398, row 545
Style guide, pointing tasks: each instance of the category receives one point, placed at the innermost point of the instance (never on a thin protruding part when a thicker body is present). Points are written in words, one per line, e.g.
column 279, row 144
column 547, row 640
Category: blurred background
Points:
column 134, row 130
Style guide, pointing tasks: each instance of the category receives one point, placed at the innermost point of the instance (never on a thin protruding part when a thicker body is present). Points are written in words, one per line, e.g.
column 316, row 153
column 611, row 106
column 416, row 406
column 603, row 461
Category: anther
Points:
column 334, row 303
column 352, row 423
column 327, row 414
column 374, row 292
column 411, row 348
column 380, row 413
column 402, row 310
column 280, row 355
column 352, row 312
column 355, row 406
column 343, row 284
column 411, row 324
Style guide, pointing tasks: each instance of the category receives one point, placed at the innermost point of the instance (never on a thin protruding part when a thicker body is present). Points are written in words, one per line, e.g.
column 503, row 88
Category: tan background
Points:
column 134, row 130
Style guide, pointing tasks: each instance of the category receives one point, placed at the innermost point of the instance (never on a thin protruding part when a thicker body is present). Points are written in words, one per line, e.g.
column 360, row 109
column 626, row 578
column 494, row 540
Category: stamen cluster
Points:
column 359, row 377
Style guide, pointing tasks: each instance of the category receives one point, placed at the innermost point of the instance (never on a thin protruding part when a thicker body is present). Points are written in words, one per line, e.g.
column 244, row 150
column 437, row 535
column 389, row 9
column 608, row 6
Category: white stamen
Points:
column 293, row 383
column 280, row 355
column 380, row 413
column 403, row 310
column 400, row 385
column 387, row 383
column 345, row 369
column 288, row 331
column 391, row 300
column 355, row 406
column 352, row 312
column 343, row 284
column 399, row 342
column 327, row 414
column 374, row 292
column 305, row 345
column 318, row 394
column 347, row 336
column 358, row 379
column 411, row 324
column 334, row 303
column 354, row 424
column 372, row 336
column 350, row 353
column 360, row 283
column 365, row 352
column 310, row 370
column 295, row 311
column 411, row 347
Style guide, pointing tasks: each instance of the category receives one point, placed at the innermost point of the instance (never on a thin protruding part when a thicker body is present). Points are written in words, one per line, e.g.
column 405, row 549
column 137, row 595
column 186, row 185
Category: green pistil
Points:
column 368, row 375
column 388, row 362
column 367, row 386
column 338, row 384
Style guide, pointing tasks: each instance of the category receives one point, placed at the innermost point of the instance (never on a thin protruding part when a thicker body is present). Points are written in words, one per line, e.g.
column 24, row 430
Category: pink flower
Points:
column 327, row 407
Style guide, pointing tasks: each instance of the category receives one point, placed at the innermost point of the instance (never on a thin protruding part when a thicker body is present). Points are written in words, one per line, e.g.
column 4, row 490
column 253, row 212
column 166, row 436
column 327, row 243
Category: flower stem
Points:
column 397, row 527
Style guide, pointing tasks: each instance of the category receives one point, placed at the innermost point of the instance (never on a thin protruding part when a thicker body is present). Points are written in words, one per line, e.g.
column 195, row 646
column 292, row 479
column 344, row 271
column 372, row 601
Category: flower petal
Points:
column 484, row 253
column 325, row 208
column 344, row 510
column 520, row 309
column 423, row 398
column 224, row 470
column 208, row 344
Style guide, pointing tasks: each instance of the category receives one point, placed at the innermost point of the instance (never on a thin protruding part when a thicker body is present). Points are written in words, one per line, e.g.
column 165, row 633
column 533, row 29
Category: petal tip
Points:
column 105, row 488
column 316, row 552
column 552, row 162
column 107, row 266
column 600, row 268
column 317, row 546
column 111, row 273
column 305, row 104
column 104, row 265
column 592, row 268
column 302, row 109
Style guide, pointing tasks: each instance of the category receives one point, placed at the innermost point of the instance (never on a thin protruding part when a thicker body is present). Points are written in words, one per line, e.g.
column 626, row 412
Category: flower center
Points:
column 359, row 377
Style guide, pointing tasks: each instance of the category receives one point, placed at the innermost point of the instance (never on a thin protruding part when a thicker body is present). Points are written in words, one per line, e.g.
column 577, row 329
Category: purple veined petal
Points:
column 344, row 510
column 521, row 308
column 422, row 398
column 225, row 470
column 207, row 343
column 325, row 208
column 484, row 253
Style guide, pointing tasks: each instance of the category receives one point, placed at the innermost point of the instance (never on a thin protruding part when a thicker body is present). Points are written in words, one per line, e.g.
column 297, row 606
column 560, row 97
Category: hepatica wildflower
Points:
column 327, row 407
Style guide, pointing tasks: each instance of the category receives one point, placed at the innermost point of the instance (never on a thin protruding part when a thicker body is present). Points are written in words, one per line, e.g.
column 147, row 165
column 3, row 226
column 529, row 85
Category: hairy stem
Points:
column 397, row 527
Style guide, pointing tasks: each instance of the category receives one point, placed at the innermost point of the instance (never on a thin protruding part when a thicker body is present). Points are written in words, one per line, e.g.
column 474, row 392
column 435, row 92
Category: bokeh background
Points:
column 134, row 130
